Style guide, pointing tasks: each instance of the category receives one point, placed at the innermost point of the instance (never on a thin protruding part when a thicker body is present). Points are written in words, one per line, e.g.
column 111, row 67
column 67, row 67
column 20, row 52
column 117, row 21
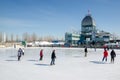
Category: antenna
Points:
column 88, row 12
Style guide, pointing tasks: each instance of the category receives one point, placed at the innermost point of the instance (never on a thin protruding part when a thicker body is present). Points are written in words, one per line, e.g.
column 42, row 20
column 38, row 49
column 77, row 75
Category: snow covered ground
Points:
column 70, row 65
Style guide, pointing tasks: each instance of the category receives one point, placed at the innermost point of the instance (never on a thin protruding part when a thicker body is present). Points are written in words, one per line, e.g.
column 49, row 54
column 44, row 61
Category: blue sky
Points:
column 55, row 17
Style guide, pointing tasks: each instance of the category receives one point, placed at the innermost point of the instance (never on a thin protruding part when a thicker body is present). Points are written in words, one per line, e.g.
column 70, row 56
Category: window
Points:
column 87, row 29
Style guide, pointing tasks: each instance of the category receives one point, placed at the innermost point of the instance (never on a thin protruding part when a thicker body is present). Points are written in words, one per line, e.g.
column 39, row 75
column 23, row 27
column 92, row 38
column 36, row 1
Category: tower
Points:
column 88, row 28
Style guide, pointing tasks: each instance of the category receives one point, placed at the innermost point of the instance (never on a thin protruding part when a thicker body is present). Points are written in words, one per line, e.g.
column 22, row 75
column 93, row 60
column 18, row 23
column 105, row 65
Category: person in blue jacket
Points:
column 19, row 53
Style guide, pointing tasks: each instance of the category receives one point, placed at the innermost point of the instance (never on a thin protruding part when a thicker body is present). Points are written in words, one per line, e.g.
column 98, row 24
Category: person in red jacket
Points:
column 105, row 55
column 41, row 54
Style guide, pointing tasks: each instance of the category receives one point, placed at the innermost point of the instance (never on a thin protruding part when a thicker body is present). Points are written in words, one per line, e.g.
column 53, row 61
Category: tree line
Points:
column 4, row 37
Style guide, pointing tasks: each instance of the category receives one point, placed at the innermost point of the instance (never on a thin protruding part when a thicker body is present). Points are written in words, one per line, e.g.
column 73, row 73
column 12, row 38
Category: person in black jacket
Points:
column 85, row 51
column 113, row 55
column 53, row 56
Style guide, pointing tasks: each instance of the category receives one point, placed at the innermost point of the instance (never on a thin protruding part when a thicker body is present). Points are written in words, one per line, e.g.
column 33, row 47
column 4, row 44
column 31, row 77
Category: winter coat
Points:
column 105, row 53
column 41, row 53
column 53, row 56
column 20, row 52
column 85, row 49
column 113, row 54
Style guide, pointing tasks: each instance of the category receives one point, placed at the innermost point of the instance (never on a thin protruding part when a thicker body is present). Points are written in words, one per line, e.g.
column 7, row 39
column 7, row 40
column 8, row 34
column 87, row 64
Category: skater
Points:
column 53, row 56
column 19, row 54
column 105, row 55
column 113, row 55
column 41, row 54
column 85, row 50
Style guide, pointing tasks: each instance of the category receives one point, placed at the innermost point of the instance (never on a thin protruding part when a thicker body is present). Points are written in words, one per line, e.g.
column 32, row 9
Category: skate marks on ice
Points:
column 13, row 56
column 42, row 64
column 11, row 60
column 99, row 62
column 77, row 56
column 33, row 60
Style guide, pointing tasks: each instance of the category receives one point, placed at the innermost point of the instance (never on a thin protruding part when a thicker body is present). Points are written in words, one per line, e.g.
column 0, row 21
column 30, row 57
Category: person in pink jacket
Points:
column 105, row 55
column 41, row 54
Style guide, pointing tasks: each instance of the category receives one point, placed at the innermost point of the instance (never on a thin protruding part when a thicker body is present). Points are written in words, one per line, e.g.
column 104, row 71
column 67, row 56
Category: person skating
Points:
column 85, row 50
column 19, row 54
column 113, row 55
column 41, row 54
column 53, row 56
column 105, row 55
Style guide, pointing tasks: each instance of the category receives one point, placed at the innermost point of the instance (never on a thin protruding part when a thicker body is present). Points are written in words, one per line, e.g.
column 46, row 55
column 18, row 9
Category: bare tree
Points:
column 17, row 38
column 0, row 36
column 12, row 38
column 7, row 38
column 48, row 38
column 40, row 39
column 34, row 37
column 25, row 36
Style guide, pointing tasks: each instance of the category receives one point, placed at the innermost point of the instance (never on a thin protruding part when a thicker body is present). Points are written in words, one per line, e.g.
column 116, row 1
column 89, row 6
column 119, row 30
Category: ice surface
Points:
column 70, row 65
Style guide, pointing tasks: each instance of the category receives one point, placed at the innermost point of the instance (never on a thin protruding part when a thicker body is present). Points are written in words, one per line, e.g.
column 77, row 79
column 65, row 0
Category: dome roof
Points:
column 88, row 20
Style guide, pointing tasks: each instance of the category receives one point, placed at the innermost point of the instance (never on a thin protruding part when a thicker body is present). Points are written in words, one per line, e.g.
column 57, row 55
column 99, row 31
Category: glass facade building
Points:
column 88, row 34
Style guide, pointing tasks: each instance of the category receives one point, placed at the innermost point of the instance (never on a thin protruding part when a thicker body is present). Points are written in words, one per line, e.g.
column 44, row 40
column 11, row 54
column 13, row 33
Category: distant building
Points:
column 89, row 33
column 71, row 39
column 102, row 36
column 88, row 29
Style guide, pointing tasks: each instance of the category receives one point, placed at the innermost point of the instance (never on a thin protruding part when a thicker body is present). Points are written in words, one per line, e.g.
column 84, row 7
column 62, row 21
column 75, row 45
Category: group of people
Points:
column 105, row 54
column 112, row 54
column 53, row 56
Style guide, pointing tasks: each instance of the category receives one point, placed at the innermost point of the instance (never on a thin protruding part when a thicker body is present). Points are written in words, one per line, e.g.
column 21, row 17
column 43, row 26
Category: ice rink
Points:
column 70, row 64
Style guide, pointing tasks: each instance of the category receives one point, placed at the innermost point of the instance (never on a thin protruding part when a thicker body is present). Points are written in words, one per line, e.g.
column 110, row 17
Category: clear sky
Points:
column 55, row 17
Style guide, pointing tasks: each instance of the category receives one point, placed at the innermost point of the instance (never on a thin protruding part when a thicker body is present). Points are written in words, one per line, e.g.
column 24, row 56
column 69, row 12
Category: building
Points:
column 71, row 39
column 102, row 36
column 88, row 29
column 89, row 34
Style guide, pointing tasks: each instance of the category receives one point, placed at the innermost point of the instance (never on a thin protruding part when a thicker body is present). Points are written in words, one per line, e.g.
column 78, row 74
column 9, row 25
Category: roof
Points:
column 88, row 20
